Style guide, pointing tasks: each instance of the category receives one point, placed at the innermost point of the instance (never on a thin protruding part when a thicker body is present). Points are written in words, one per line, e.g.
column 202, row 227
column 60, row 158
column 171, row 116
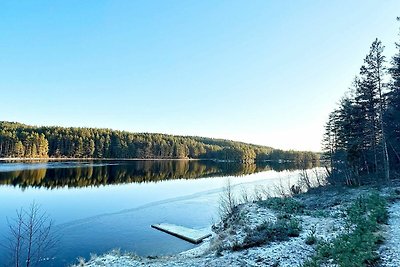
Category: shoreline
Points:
column 319, row 213
column 103, row 159
column 145, row 159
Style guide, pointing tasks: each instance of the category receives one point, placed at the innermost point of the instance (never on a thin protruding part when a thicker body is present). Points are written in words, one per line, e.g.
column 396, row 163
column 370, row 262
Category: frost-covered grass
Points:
column 358, row 246
column 280, row 230
column 284, row 205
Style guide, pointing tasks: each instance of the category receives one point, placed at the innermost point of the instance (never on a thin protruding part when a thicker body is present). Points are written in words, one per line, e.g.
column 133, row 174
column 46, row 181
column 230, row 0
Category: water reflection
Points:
column 98, row 173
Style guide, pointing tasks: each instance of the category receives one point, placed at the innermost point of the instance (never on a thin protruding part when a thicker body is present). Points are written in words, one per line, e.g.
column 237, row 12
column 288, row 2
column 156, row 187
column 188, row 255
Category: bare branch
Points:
column 31, row 237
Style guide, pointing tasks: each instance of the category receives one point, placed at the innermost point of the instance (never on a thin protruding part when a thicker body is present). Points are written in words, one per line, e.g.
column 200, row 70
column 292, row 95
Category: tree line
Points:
column 362, row 135
column 24, row 141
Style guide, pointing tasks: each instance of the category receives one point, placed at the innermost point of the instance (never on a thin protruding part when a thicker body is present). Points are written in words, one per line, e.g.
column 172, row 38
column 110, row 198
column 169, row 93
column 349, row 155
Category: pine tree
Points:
column 91, row 148
column 370, row 96
column 19, row 149
column 43, row 146
column 392, row 116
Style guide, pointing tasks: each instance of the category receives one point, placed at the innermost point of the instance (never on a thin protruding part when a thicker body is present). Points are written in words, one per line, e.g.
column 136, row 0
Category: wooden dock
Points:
column 191, row 235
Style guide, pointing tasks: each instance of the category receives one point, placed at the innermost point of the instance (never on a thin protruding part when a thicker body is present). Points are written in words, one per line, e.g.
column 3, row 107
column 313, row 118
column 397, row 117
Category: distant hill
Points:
column 23, row 141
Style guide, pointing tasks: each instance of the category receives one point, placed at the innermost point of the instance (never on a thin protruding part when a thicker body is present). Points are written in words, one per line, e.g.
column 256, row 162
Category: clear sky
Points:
column 264, row 72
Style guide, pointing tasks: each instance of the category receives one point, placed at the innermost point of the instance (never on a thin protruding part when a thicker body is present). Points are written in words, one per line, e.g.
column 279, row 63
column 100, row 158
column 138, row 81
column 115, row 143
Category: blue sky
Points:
column 265, row 72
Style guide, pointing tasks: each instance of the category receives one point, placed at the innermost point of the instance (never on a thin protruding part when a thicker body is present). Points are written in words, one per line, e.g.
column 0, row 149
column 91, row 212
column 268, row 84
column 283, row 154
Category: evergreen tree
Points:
column 392, row 116
column 371, row 101
column 19, row 149
column 355, row 136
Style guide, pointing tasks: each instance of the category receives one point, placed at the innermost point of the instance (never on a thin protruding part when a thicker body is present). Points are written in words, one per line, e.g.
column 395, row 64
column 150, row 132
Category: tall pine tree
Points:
column 392, row 116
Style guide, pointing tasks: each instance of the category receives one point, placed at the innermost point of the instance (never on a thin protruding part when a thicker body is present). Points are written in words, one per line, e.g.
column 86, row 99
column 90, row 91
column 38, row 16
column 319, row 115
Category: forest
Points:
column 23, row 141
column 362, row 135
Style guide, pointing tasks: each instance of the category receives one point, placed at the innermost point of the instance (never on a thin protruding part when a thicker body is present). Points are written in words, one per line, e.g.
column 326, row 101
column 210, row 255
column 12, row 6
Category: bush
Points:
column 268, row 232
column 283, row 205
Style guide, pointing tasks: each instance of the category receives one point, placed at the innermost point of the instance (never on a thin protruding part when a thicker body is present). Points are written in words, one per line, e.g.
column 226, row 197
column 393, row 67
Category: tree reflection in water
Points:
column 101, row 173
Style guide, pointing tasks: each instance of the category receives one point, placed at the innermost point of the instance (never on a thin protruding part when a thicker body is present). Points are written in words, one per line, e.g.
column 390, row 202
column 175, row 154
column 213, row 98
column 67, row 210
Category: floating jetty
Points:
column 191, row 235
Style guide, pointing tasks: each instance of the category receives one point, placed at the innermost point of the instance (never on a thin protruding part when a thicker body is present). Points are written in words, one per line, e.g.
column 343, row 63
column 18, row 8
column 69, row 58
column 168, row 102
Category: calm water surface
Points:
column 101, row 205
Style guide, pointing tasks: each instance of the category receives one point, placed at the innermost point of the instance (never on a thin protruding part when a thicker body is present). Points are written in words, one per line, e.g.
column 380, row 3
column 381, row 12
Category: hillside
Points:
column 24, row 141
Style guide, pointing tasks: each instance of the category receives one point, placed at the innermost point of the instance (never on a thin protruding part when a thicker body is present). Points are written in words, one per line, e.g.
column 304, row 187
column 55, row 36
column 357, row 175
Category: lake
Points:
column 98, row 206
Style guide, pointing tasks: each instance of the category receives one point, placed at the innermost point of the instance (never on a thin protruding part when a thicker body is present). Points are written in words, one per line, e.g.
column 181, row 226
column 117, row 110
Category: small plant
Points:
column 311, row 238
column 227, row 201
column 304, row 180
column 260, row 193
column 244, row 195
column 294, row 228
column 81, row 261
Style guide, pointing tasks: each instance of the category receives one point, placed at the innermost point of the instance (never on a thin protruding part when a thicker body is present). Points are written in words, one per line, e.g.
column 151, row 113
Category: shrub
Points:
column 284, row 205
column 268, row 232
column 311, row 238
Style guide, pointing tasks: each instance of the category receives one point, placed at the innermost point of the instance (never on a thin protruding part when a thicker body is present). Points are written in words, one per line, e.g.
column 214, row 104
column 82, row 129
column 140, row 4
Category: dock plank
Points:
column 191, row 235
